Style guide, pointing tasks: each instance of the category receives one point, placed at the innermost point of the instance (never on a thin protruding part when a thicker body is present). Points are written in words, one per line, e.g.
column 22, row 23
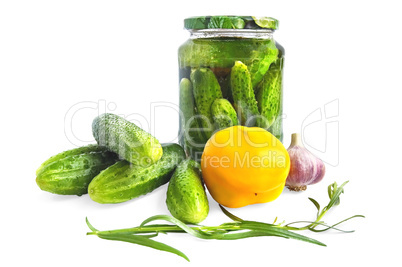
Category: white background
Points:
column 61, row 60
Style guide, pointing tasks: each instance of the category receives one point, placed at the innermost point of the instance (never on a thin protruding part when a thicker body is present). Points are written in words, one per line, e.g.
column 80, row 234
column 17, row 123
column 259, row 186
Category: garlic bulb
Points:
column 305, row 168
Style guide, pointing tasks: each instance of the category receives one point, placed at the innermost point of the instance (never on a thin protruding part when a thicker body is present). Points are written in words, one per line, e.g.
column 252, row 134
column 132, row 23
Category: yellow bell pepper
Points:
column 244, row 165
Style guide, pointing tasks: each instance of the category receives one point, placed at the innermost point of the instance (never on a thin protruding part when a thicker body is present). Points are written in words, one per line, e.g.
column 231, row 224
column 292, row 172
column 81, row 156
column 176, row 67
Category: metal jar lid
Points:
column 230, row 22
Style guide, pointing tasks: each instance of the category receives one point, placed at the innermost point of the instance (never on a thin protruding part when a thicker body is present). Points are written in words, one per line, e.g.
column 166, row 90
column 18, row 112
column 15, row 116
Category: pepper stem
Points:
column 296, row 140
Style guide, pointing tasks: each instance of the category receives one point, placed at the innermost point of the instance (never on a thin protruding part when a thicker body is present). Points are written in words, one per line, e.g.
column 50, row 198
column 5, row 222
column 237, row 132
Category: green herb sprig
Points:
column 238, row 229
column 334, row 193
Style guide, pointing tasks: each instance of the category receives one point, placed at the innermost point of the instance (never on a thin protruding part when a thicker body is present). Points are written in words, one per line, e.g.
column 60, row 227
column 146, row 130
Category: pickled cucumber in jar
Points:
column 234, row 58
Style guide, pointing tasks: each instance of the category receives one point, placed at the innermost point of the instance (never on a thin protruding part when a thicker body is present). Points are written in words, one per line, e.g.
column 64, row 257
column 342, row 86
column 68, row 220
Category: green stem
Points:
column 165, row 229
column 139, row 230
column 314, row 224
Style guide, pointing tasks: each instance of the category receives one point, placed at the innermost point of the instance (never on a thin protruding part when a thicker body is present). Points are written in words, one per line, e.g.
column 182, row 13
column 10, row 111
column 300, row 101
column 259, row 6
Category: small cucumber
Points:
column 192, row 138
column 206, row 89
column 192, row 134
column 126, row 139
column 124, row 181
column 243, row 94
column 223, row 114
column 70, row 172
column 269, row 97
column 186, row 199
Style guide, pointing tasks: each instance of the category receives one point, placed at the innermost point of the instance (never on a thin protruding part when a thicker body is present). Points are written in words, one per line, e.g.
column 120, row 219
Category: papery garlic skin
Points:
column 305, row 168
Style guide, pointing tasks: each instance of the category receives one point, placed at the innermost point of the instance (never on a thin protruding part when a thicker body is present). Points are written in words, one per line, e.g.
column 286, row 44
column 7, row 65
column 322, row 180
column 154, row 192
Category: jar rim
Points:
column 243, row 33
column 231, row 22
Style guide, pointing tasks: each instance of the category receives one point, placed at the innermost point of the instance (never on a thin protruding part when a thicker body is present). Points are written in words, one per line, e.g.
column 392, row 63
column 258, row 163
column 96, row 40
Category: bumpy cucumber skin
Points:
column 223, row 114
column 243, row 94
column 191, row 137
column 70, row 172
column 126, row 139
column 206, row 89
column 269, row 97
column 123, row 181
column 186, row 198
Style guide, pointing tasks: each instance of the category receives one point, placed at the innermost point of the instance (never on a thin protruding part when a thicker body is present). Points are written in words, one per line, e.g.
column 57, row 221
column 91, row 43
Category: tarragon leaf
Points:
column 93, row 229
column 182, row 225
column 334, row 194
column 316, row 204
column 230, row 215
column 144, row 241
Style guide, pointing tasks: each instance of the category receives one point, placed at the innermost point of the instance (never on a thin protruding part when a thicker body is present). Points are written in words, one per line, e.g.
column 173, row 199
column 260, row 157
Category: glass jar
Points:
column 230, row 73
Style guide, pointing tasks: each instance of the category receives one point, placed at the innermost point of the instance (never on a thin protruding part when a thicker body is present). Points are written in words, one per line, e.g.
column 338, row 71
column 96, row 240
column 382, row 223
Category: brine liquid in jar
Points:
column 230, row 73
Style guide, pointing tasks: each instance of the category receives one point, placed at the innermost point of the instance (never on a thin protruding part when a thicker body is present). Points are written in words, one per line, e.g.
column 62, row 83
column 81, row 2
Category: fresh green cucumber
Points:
column 70, row 172
column 186, row 199
column 126, row 139
column 223, row 114
column 124, row 181
column 269, row 97
column 206, row 89
column 243, row 94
